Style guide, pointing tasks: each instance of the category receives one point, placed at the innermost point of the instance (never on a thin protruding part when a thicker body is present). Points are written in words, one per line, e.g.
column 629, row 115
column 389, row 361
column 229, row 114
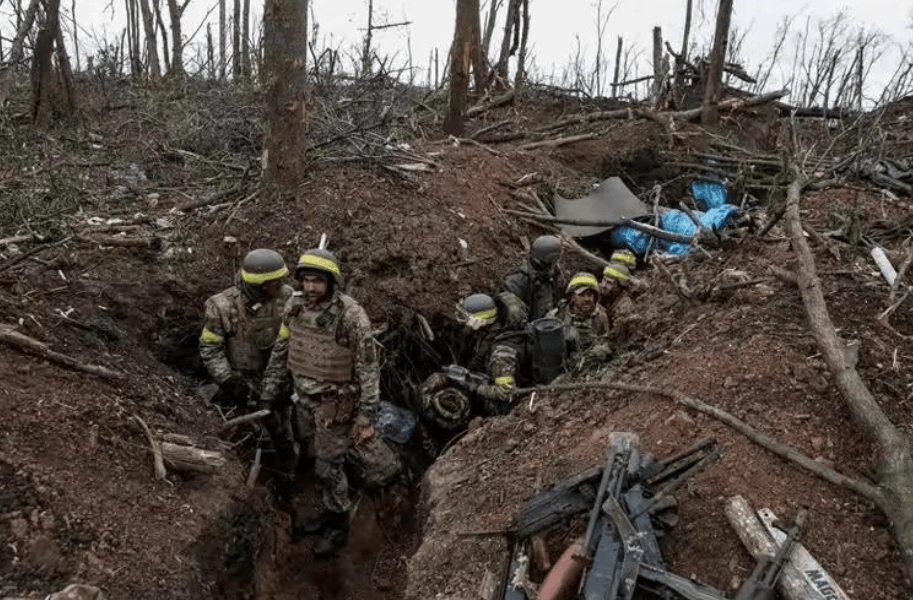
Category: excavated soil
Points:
column 78, row 500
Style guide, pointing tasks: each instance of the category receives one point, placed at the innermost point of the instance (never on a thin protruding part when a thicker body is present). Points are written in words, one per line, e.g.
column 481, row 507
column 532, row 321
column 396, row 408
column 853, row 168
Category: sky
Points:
column 557, row 27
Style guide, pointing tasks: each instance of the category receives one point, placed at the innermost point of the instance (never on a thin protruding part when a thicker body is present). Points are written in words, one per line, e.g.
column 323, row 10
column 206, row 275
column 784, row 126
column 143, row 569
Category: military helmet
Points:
column 625, row 257
column 321, row 261
column 545, row 252
column 262, row 265
column 582, row 281
column 477, row 310
column 618, row 272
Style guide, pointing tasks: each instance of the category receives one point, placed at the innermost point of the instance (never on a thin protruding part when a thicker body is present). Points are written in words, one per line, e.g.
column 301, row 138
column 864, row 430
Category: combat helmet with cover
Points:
column 319, row 261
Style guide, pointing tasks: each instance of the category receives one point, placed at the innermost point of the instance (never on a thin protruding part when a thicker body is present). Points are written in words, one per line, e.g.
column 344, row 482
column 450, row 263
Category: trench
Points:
column 252, row 546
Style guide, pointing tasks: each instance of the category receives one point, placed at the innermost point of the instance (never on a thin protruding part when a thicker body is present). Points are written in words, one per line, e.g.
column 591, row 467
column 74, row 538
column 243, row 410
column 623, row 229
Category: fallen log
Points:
column 24, row 342
column 153, row 243
column 730, row 104
column 248, row 418
column 893, row 461
column 190, row 459
column 493, row 103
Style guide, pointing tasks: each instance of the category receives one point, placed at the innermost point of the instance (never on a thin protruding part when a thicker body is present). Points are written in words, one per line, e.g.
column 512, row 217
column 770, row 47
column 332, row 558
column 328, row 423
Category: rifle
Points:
column 465, row 378
column 763, row 580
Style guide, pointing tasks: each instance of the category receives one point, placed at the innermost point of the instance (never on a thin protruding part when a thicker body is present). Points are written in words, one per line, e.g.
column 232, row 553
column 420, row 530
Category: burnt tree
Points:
column 284, row 78
column 713, row 85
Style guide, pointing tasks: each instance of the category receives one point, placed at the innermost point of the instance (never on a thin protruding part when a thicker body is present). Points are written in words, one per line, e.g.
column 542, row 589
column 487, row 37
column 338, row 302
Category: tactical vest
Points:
column 315, row 350
column 253, row 334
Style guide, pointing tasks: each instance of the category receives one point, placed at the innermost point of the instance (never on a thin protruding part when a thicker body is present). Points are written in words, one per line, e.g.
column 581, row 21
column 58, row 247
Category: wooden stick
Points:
column 559, row 141
column 24, row 342
column 157, row 460
column 254, row 470
column 248, row 418
column 782, row 450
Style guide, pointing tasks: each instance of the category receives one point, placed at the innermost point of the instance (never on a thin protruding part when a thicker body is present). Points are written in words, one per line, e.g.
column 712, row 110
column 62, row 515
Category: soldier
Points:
column 618, row 287
column 536, row 283
column 326, row 344
column 582, row 311
column 241, row 325
column 492, row 363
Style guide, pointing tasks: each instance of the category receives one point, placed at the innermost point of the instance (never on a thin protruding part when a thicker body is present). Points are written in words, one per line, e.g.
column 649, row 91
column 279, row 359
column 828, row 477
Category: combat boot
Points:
column 334, row 538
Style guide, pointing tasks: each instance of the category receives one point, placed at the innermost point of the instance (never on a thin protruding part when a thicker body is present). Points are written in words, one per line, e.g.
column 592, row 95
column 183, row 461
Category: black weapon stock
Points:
column 760, row 585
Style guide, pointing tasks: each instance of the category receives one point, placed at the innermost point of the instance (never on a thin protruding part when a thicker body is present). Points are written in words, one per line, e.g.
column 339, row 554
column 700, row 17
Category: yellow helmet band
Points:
column 258, row 278
column 312, row 260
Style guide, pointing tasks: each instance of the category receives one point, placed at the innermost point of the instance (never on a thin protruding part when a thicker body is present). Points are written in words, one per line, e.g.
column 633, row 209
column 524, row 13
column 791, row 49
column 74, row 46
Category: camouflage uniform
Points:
column 331, row 354
column 589, row 329
column 499, row 354
column 538, row 291
column 239, row 334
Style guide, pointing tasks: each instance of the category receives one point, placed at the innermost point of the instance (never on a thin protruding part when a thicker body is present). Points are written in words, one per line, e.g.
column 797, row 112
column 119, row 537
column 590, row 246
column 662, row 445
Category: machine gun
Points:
column 465, row 378
column 760, row 585
column 619, row 557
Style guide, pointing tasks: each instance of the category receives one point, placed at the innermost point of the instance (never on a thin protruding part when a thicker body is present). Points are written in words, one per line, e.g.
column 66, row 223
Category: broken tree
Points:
column 893, row 462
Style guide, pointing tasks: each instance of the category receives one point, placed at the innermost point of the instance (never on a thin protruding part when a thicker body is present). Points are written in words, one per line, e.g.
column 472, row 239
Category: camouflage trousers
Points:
column 330, row 425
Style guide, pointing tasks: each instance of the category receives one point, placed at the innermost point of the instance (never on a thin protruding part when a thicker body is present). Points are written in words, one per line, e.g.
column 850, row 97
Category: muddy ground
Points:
column 78, row 500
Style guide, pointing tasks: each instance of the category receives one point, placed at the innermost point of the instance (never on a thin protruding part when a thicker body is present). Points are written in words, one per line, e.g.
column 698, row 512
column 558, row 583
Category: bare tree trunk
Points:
column 135, row 48
column 366, row 46
column 511, row 34
column 65, row 70
column 177, row 60
column 479, row 69
column 24, row 27
column 893, row 461
column 236, row 41
column 157, row 9
column 459, row 65
column 43, row 66
column 245, row 40
column 490, row 26
column 617, row 68
column 210, row 51
column 151, row 39
column 222, row 41
column 658, row 74
column 284, row 78
column 714, row 82
column 683, row 57
column 75, row 34
column 524, row 36
column 859, row 76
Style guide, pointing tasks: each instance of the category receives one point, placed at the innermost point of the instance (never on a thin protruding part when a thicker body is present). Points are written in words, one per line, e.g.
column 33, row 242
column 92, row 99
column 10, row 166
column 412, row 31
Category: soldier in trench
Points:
column 241, row 326
column 618, row 289
column 493, row 359
column 535, row 283
column 327, row 347
column 587, row 322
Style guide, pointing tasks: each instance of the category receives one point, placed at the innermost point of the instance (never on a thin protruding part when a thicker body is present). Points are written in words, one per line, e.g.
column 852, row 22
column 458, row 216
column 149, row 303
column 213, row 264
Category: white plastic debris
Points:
column 884, row 265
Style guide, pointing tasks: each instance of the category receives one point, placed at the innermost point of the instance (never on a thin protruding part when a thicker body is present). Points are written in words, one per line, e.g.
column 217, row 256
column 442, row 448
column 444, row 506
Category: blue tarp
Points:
column 709, row 193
